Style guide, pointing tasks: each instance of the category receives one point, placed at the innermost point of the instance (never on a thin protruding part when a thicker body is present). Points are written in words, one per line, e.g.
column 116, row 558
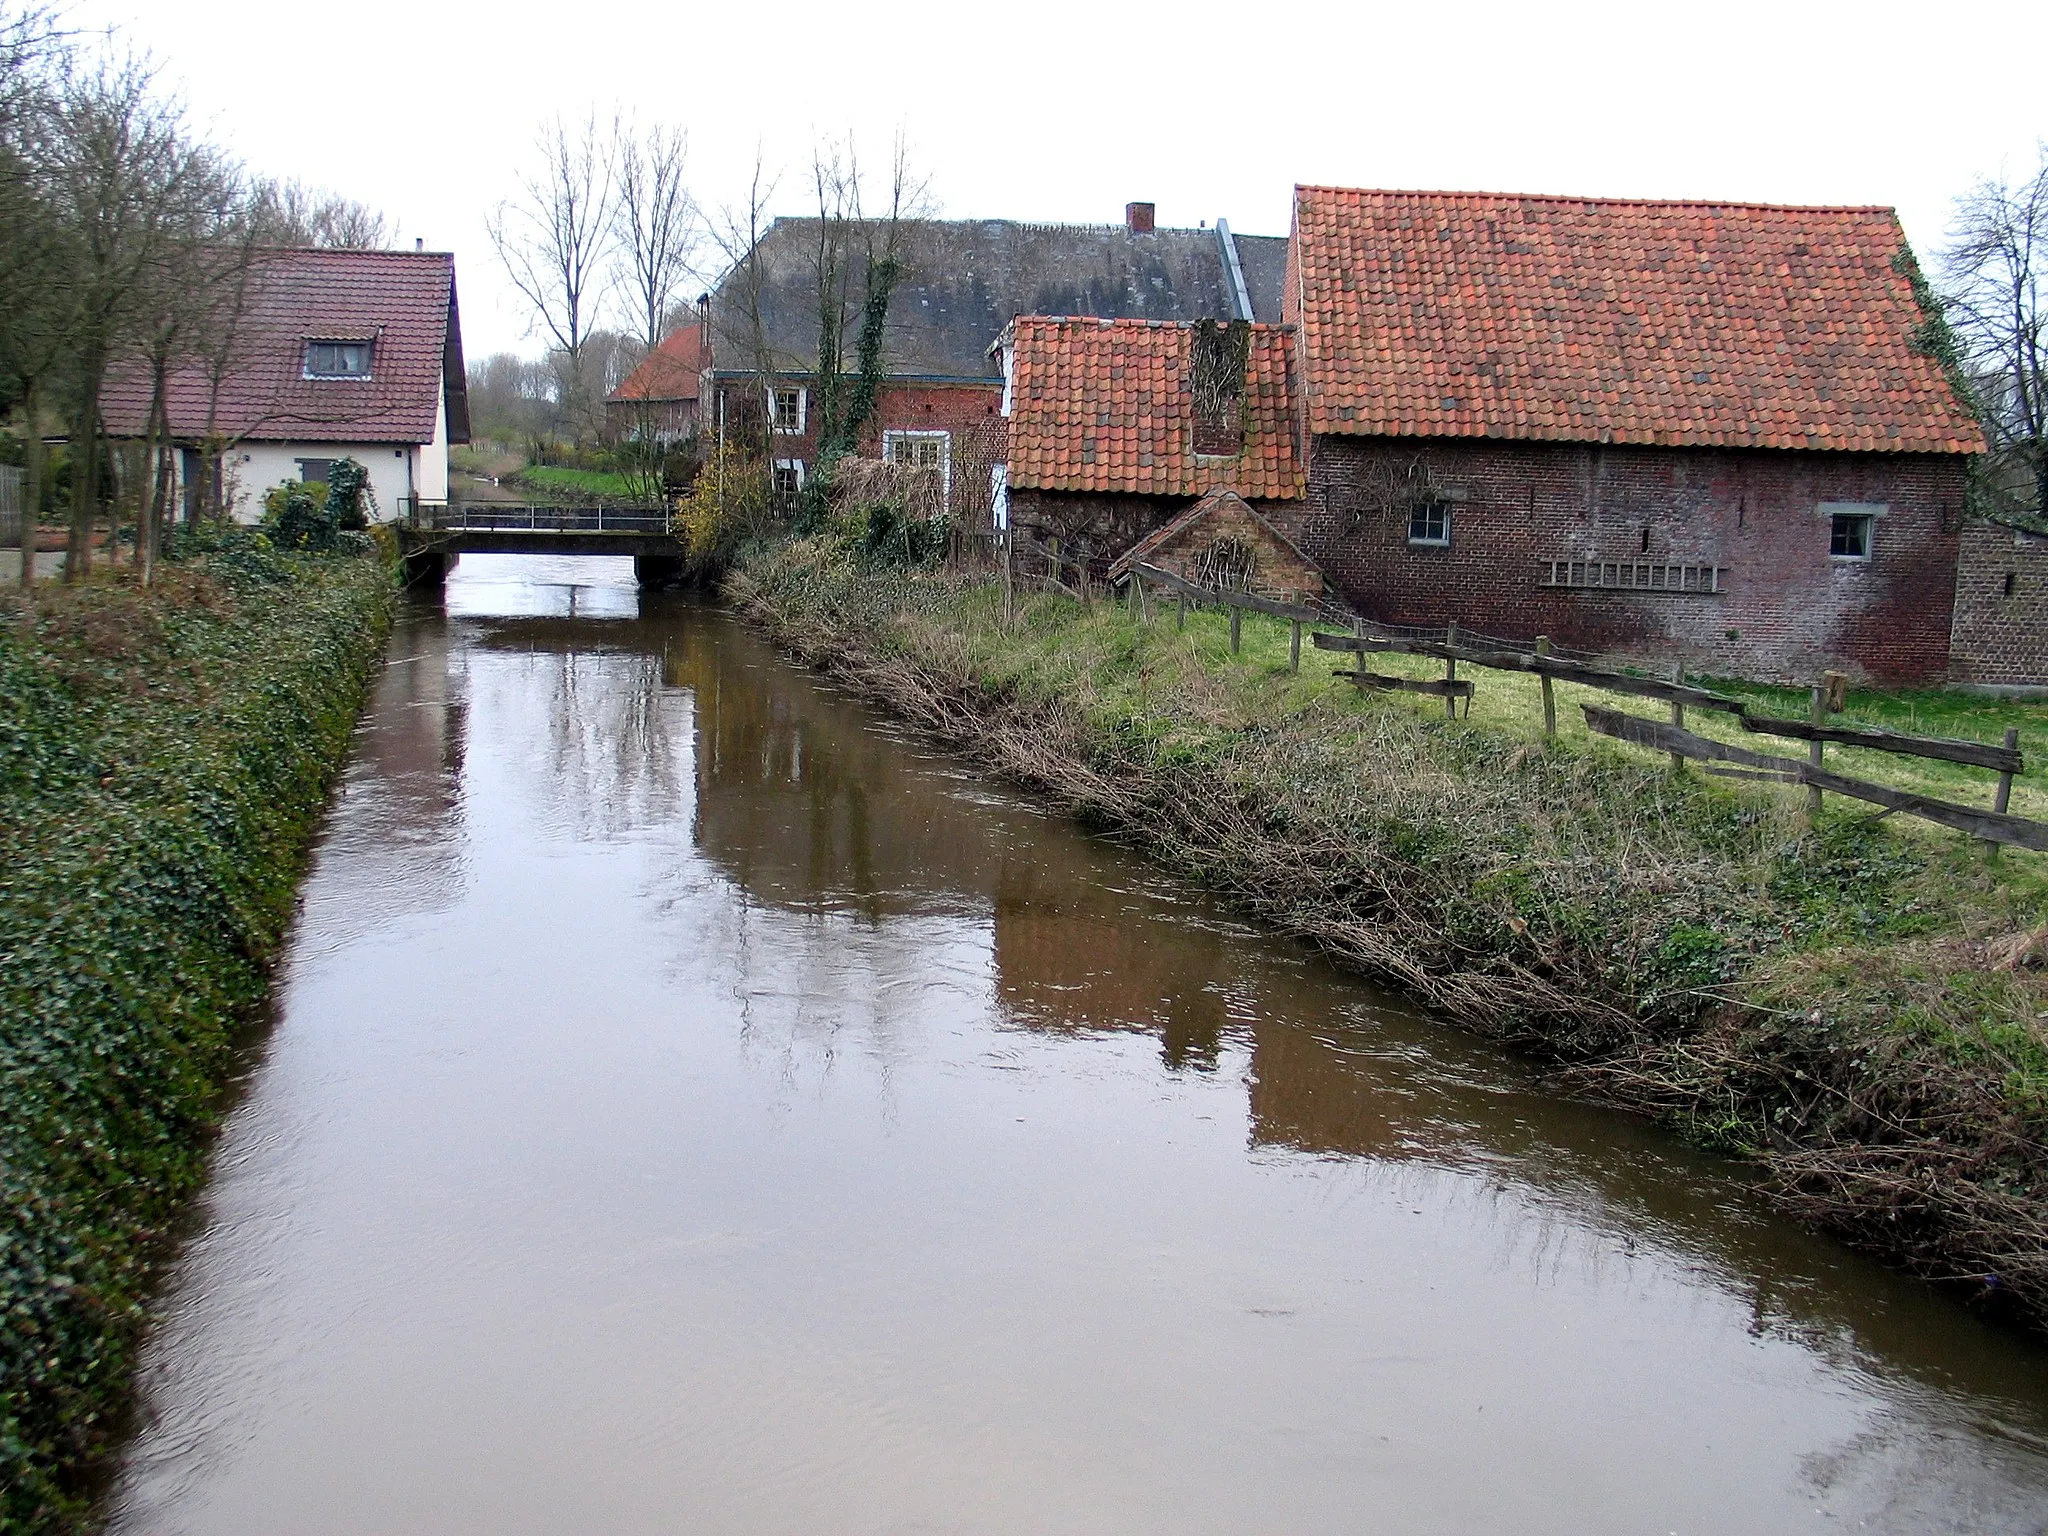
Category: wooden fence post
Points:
column 1236, row 613
column 1549, row 699
column 1451, row 671
column 2004, row 797
column 1294, row 649
column 1818, row 714
column 1677, row 714
column 1144, row 600
column 1180, row 612
column 1358, row 629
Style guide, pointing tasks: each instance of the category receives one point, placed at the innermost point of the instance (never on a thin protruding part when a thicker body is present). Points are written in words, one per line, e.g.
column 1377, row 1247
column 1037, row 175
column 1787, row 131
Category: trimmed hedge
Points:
column 164, row 759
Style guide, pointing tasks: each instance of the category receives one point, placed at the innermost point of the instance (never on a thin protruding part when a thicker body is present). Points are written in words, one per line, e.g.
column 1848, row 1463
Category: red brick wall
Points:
column 2000, row 636
column 1786, row 611
column 968, row 411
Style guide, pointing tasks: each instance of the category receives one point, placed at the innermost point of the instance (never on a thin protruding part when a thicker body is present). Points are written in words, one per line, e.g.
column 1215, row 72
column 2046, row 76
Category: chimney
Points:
column 419, row 242
column 1138, row 218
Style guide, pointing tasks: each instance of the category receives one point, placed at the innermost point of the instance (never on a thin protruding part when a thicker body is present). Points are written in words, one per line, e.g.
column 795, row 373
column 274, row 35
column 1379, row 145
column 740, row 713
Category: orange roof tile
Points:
column 1453, row 314
column 1105, row 405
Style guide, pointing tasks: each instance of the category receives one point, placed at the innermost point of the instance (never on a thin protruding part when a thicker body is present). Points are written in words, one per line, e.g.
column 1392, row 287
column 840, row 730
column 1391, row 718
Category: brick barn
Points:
column 1686, row 430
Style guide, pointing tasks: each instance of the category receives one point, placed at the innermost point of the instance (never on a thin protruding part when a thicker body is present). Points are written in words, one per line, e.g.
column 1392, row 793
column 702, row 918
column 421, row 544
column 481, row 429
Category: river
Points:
column 692, row 1106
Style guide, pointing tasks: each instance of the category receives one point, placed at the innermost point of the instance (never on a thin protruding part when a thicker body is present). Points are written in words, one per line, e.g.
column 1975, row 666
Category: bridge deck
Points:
column 542, row 530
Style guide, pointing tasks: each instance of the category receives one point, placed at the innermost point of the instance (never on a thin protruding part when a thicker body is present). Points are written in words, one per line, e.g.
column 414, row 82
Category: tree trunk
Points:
column 31, row 495
column 85, row 484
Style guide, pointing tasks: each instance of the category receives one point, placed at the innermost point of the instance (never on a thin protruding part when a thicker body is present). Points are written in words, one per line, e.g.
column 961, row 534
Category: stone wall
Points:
column 1785, row 608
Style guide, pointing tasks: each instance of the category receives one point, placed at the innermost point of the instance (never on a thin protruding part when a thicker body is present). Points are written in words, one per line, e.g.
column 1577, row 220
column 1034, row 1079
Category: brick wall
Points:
column 2001, row 617
column 1786, row 609
column 1104, row 526
column 969, row 413
column 1277, row 571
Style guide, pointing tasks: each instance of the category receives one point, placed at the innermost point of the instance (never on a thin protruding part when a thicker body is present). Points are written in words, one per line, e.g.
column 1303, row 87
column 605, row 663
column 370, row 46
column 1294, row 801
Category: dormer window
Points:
column 337, row 359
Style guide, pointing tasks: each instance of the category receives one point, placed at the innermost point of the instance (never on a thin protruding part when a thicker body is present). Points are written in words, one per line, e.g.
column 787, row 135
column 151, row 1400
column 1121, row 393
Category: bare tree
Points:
column 1995, row 271
column 291, row 214
column 553, row 240
column 656, row 224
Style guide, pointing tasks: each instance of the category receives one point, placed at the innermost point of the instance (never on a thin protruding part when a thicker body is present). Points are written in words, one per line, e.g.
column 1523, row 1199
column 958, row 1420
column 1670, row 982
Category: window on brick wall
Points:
column 1429, row 522
column 923, row 450
column 1849, row 535
column 787, row 406
column 789, row 478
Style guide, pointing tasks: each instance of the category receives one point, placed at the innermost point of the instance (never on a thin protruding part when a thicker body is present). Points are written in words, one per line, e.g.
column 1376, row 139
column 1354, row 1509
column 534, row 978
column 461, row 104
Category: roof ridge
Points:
column 1605, row 202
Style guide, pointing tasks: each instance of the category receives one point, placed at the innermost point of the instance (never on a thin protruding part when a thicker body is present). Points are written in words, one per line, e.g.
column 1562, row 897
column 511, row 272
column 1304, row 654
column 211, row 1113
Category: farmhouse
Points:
column 658, row 399
column 1706, row 431
column 963, row 281
column 335, row 354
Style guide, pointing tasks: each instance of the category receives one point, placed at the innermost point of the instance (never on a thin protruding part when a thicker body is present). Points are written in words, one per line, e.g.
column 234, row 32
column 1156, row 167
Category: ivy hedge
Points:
column 164, row 759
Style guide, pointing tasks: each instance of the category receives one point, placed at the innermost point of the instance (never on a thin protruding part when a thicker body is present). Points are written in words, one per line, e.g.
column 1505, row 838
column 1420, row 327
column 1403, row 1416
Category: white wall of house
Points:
column 430, row 460
column 254, row 468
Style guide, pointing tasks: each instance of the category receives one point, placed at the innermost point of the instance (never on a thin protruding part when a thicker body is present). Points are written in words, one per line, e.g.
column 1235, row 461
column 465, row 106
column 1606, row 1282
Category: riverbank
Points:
column 1855, row 1008
column 164, row 759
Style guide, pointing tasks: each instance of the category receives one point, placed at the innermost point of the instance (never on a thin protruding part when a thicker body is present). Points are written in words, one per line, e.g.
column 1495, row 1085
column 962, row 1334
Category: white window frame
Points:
column 367, row 343
column 1870, row 511
column 796, row 466
column 1432, row 501
column 896, row 435
column 803, row 409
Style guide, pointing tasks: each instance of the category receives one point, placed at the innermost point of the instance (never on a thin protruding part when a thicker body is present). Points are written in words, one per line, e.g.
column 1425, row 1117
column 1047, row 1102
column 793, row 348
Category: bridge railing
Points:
column 462, row 517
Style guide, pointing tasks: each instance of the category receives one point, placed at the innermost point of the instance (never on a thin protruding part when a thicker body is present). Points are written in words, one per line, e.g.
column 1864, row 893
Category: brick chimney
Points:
column 1138, row 218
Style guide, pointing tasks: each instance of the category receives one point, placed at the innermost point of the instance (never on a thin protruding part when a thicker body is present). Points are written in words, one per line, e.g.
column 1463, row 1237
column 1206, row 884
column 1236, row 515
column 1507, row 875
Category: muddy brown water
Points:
column 693, row 1107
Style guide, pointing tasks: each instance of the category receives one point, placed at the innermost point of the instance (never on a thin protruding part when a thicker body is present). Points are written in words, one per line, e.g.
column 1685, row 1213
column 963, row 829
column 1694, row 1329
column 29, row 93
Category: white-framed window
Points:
column 924, row 450
column 789, row 478
column 1852, row 528
column 338, row 359
column 788, row 406
column 999, row 494
column 1429, row 522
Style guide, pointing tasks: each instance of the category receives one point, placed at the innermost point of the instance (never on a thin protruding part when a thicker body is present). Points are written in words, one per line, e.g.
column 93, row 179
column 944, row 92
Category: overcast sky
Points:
column 1061, row 111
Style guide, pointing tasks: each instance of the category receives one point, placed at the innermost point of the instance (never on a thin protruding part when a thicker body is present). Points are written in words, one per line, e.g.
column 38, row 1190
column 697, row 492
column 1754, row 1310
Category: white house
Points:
column 336, row 354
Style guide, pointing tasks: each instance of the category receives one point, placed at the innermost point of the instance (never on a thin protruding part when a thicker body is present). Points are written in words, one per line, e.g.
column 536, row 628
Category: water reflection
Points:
column 738, row 1119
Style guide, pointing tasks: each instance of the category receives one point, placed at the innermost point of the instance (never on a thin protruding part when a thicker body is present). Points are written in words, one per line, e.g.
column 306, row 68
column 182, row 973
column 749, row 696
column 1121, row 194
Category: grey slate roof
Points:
column 968, row 278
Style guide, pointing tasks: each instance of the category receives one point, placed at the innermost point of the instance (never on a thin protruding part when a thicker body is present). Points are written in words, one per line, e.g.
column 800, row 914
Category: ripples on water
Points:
column 692, row 1108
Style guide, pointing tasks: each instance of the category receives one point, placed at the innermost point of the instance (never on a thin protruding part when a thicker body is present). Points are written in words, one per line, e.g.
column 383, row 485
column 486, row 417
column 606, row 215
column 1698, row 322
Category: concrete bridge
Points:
column 430, row 540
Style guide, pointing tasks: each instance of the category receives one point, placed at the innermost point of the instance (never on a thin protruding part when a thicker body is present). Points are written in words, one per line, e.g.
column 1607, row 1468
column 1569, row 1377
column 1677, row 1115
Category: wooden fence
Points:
column 1996, row 826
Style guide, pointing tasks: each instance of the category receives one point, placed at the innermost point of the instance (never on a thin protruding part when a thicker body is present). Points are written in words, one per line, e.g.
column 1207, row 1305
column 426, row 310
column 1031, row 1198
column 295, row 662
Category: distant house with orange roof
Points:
column 1697, row 430
column 659, row 398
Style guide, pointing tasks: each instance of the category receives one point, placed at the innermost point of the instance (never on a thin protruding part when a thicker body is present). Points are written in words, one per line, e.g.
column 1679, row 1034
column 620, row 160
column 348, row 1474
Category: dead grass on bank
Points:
column 1856, row 1011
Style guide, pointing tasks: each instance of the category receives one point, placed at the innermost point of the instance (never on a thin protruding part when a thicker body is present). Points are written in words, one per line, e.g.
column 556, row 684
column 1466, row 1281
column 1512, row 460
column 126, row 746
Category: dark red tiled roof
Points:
column 1106, row 405
column 670, row 371
column 401, row 301
column 1452, row 314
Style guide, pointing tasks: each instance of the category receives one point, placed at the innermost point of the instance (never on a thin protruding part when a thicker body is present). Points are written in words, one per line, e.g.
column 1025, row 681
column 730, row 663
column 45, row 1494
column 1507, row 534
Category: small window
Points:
column 786, row 407
column 789, row 479
column 315, row 471
column 922, row 450
column 1849, row 536
column 337, row 359
column 2011, row 582
column 1429, row 522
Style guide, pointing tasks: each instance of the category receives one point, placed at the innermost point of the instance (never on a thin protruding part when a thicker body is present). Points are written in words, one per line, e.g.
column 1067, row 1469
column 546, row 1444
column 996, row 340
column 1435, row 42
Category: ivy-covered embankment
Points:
column 164, row 757
column 1855, row 1007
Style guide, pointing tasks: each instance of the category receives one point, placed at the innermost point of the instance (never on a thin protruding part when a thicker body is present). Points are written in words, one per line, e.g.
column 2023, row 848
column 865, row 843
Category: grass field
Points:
column 595, row 485
column 1514, row 700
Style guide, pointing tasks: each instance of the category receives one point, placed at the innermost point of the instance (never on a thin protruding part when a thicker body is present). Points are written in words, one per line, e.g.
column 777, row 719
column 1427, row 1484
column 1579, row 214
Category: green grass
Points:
column 596, row 485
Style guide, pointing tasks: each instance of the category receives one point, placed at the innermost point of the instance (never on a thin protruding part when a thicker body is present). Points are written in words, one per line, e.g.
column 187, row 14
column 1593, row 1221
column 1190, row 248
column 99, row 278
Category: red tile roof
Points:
column 1105, row 405
column 403, row 302
column 1452, row 314
column 670, row 371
